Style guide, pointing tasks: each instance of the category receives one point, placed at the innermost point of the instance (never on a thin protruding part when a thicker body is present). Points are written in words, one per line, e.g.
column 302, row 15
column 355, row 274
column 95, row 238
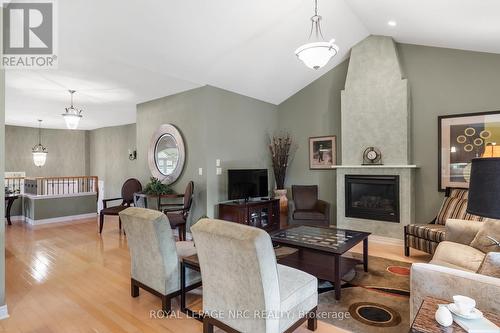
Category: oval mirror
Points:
column 166, row 154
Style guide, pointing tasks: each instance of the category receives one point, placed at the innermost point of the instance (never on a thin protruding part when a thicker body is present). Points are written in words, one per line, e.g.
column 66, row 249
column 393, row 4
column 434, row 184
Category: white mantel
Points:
column 375, row 113
column 382, row 166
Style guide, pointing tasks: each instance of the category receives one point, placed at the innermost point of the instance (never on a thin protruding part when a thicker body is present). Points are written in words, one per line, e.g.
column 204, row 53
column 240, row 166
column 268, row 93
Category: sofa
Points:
column 306, row 208
column 466, row 263
column 426, row 237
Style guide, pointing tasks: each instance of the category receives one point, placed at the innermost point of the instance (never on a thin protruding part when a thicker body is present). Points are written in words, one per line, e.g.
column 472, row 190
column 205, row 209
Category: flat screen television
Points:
column 247, row 183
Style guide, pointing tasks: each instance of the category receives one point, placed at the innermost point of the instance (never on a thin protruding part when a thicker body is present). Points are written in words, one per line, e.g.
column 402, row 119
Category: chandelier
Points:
column 39, row 151
column 72, row 115
column 316, row 54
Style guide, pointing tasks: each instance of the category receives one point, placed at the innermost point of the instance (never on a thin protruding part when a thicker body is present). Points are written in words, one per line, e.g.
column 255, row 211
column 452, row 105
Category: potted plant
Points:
column 156, row 187
column 280, row 147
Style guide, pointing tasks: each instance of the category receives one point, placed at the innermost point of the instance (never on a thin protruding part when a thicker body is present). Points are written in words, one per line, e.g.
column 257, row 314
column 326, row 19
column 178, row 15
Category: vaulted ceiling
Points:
column 120, row 53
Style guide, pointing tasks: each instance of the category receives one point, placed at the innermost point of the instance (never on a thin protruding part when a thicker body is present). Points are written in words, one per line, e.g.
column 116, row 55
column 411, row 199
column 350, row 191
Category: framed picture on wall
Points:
column 322, row 152
column 462, row 138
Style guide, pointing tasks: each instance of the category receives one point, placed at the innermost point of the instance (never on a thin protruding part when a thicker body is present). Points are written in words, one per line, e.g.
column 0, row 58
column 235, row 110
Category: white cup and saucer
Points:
column 464, row 307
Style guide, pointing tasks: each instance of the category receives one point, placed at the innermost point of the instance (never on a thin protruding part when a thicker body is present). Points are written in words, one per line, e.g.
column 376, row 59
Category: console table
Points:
column 9, row 200
column 260, row 213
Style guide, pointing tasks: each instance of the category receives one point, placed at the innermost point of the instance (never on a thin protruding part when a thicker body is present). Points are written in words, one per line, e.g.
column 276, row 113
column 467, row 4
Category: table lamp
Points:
column 484, row 189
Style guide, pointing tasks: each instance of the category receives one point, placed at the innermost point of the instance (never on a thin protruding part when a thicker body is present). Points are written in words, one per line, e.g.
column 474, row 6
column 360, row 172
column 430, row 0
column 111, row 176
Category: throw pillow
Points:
column 484, row 244
column 491, row 265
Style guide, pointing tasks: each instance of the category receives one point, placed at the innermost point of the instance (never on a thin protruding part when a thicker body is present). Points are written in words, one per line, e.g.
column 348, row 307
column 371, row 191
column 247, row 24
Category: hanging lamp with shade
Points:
column 72, row 115
column 39, row 151
column 317, row 53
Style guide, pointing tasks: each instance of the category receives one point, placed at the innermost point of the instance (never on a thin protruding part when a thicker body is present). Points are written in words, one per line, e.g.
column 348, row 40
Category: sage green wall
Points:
column 108, row 156
column 40, row 209
column 314, row 111
column 215, row 124
column 67, row 151
column 442, row 82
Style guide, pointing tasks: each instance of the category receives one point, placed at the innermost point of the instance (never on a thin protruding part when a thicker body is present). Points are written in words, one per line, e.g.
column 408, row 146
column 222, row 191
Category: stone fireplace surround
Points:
column 375, row 112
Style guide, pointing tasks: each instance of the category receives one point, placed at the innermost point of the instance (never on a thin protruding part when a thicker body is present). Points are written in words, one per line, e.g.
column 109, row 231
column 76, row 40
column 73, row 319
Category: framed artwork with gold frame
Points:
column 462, row 138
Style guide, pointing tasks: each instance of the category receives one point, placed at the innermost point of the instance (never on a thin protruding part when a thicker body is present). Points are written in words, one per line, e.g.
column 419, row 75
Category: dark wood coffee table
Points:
column 320, row 251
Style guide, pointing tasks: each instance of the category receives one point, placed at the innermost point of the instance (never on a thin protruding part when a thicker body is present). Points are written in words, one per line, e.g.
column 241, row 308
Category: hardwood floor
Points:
column 67, row 278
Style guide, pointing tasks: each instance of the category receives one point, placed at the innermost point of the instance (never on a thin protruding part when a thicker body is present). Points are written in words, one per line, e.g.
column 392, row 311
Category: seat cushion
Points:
column 115, row 210
column 176, row 219
column 308, row 214
column 295, row 286
column 491, row 265
column 431, row 232
column 458, row 255
column 482, row 242
column 185, row 249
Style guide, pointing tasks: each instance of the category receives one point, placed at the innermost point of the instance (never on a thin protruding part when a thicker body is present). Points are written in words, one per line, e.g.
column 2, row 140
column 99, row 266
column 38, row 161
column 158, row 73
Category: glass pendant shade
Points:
column 72, row 120
column 318, row 54
column 39, row 151
column 39, row 158
column 72, row 115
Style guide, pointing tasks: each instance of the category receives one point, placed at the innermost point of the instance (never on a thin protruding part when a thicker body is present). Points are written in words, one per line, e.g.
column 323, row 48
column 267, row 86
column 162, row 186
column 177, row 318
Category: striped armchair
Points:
column 426, row 237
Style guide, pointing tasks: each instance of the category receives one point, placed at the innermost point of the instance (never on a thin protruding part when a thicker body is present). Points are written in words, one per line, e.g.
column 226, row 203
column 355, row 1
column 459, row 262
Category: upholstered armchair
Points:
column 240, row 273
column 155, row 256
column 306, row 208
column 426, row 237
column 466, row 263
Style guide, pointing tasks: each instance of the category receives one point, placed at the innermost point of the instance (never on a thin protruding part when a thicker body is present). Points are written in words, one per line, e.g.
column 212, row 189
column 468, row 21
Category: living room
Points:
column 370, row 154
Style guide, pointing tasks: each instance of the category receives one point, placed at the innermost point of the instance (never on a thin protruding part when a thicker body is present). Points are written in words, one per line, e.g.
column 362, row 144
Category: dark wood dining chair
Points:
column 178, row 213
column 130, row 186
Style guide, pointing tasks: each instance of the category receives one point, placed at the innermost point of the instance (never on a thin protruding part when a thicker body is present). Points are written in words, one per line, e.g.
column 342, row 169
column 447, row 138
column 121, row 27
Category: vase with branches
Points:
column 280, row 148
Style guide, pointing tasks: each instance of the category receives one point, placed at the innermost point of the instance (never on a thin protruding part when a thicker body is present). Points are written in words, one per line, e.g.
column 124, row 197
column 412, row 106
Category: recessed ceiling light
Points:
column 391, row 23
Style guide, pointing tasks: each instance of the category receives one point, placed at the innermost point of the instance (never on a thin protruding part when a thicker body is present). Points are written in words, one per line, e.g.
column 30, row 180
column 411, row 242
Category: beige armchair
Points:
column 244, row 289
column 457, row 267
column 155, row 256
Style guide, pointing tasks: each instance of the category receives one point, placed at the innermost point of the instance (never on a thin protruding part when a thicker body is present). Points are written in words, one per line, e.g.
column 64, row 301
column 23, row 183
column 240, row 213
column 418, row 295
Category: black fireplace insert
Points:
column 372, row 197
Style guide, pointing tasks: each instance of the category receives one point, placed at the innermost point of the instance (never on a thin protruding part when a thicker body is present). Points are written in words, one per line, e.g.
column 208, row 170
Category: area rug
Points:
column 373, row 301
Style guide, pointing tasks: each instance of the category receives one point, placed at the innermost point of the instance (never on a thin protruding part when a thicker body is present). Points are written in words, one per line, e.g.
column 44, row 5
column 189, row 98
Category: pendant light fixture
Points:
column 316, row 54
column 72, row 115
column 39, row 151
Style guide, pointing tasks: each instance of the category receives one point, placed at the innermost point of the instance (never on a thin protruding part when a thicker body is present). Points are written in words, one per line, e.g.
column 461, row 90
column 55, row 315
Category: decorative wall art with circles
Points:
column 462, row 138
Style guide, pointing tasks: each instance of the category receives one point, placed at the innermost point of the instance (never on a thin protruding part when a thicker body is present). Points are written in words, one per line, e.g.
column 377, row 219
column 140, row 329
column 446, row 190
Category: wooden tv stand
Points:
column 260, row 213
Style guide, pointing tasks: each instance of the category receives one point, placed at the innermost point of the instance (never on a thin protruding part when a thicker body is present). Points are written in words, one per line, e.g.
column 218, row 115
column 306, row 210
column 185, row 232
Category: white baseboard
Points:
column 60, row 219
column 17, row 218
column 4, row 314
column 386, row 240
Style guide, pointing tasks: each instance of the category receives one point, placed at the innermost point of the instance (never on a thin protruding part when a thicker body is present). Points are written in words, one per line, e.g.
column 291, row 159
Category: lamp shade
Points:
column 317, row 55
column 484, row 188
column 72, row 120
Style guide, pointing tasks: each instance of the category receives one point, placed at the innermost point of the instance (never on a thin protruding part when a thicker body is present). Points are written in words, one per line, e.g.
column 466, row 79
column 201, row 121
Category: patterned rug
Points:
column 375, row 301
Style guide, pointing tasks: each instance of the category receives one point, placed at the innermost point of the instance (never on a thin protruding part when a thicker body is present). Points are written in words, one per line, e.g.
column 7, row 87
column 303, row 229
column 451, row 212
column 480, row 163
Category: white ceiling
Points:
column 117, row 54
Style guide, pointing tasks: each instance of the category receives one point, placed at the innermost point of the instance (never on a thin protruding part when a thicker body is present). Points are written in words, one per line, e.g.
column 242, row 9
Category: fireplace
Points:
column 372, row 197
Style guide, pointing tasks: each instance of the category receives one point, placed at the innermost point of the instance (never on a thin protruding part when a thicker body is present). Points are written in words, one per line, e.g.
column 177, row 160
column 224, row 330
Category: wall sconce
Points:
column 132, row 154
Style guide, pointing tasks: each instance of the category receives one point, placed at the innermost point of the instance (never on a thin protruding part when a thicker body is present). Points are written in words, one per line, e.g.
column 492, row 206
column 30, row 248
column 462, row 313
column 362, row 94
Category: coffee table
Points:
column 320, row 251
